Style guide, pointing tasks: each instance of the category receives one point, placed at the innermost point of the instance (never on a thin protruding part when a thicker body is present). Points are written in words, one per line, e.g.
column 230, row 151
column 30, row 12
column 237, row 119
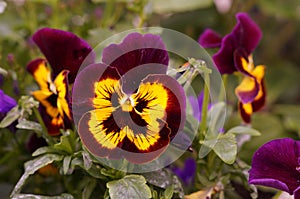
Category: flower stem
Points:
column 44, row 132
column 203, row 125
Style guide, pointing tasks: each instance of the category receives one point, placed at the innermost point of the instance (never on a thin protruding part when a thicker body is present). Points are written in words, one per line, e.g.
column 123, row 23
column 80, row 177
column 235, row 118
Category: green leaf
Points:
column 224, row 146
column 244, row 130
column 88, row 189
column 216, row 118
column 45, row 149
column 66, row 164
column 29, row 125
column 31, row 196
column 94, row 170
column 32, row 166
column 67, row 142
column 10, row 117
column 131, row 186
column 26, row 104
column 168, row 193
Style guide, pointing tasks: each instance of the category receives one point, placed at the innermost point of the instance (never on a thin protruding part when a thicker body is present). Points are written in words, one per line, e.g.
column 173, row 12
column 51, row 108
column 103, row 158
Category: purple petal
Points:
column 224, row 59
column 6, row 103
column 245, row 37
column 63, row 50
column 146, row 51
column 210, row 39
column 247, row 32
column 187, row 173
column 275, row 165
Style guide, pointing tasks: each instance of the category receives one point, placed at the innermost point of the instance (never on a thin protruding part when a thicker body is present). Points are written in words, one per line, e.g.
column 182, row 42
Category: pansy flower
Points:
column 65, row 52
column 235, row 55
column 6, row 104
column 277, row 164
column 128, row 107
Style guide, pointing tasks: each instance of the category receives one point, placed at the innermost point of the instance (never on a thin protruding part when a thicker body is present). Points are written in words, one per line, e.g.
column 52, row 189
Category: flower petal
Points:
column 246, row 32
column 176, row 101
column 84, row 87
column 40, row 72
column 137, row 127
column 137, row 50
column 275, row 165
column 245, row 36
column 6, row 103
column 223, row 59
column 63, row 50
column 210, row 39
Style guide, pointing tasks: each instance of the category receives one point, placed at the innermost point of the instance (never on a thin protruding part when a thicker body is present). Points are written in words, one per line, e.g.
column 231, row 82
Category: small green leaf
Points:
column 66, row 143
column 88, row 189
column 32, row 166
column 131, row 186
column 66, row 164
column 168, row 193
column 45, row 149
column 244, row 130
column 216, row 118
column 10, row 117
column 224, row 146
column 29, row 125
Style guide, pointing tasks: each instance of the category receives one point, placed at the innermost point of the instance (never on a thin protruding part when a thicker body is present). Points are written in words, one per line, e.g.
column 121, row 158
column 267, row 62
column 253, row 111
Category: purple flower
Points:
column 277, row 164
column 63, row 50
column 235, row 54
column 128, row 107
column 6, row 104
column 187, row 173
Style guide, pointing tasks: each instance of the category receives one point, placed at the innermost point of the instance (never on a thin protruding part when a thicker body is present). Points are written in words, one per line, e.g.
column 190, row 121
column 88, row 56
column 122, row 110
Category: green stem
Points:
column 45, row 134
column 203, row 125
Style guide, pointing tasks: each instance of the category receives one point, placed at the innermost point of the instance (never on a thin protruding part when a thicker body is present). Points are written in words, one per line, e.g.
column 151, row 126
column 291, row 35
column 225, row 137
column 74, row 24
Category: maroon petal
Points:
column 224, row 59
column 210, row 39
column 134, row 51
column 246, row 32
column 63, row 50
column 276, row 165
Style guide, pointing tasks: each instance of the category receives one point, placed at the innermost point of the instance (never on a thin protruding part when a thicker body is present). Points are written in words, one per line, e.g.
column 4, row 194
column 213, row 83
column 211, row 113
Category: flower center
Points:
column 127, row 103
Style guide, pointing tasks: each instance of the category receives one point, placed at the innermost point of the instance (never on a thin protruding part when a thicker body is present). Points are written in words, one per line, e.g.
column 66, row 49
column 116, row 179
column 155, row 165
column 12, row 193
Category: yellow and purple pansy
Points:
column 235, row 55
column 65, row 53
column 127, row 107
column 277, row 164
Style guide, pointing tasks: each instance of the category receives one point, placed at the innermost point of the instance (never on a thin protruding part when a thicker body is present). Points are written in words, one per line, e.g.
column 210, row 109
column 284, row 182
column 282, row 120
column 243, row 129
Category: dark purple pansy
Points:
column 127, row 107
column 187, row 173
column 6, row 104
column 277, row 164
column 243, row 39
column 63, row 50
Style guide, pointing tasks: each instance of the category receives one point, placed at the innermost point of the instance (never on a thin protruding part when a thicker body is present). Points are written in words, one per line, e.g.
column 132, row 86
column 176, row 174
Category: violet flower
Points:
column 187, row 173
column 128, row 107
column 235, row 54
column 6, row 104
column 277, row 164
